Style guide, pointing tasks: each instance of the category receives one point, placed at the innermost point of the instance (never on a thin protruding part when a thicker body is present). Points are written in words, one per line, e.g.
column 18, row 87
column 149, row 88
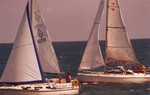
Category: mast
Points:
column 106, row 31
column 118, row 46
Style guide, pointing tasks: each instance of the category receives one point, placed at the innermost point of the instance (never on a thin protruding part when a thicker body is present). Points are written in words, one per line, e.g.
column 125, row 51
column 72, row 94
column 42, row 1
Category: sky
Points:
column 71, row 20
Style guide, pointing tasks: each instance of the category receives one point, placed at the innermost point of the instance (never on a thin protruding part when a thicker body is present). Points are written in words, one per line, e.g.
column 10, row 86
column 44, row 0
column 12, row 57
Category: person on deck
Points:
column 68, row 78
column 122, row 69
column 59, row 79
column 142, row 68
column 136, row 70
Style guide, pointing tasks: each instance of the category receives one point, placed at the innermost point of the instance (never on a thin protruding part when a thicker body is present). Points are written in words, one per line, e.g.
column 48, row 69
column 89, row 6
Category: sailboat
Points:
column 119, row 53
column 31, row 56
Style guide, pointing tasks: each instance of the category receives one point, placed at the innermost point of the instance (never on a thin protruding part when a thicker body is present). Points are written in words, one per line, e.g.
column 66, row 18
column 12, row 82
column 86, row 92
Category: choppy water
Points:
column 70, row 54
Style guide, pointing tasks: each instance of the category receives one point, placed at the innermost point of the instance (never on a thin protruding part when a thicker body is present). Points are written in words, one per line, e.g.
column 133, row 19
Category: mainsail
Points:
column 118, row 46
column 43, row 42
column 23, row 65
column 92, row 56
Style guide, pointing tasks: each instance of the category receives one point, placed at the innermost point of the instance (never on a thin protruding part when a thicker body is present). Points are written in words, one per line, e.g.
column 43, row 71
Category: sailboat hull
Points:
column 39, row 90
column 101, row 77
column 48, row 92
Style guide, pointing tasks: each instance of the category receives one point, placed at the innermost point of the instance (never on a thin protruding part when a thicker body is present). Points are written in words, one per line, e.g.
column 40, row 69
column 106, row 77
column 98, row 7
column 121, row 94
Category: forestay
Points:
column 92, row 56
column 118, row 46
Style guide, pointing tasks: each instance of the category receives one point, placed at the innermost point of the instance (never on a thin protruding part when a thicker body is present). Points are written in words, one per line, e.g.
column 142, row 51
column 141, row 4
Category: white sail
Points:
column 92, row 56
column 22, row 65
column 43, row 42
column 118, row 46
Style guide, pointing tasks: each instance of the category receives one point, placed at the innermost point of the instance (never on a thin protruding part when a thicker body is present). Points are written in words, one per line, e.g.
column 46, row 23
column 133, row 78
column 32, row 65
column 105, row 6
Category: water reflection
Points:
column 115, row 89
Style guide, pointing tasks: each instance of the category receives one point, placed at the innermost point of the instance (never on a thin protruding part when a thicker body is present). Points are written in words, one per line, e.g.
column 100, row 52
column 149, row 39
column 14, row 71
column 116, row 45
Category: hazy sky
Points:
column 71, row 20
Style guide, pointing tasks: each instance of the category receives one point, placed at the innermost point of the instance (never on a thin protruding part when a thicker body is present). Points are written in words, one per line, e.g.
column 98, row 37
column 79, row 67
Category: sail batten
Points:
column 118, row 45
column 92, row 57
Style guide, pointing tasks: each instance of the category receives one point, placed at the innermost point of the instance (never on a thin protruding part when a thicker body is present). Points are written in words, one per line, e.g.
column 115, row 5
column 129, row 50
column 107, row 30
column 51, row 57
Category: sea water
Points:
column 70, row 54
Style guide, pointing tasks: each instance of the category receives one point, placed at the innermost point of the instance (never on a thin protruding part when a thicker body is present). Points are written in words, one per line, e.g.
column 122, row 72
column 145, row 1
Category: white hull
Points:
column 101, row 77
column 42, row 90
column 46, row 92
column 34, row 92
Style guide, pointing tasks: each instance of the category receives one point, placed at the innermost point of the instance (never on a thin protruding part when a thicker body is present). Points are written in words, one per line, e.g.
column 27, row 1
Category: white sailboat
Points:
column 31, row 56
column 119, row 52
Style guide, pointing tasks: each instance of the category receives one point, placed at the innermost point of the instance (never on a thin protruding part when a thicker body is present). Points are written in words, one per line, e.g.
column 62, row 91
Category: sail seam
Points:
column 115, row 27
column 36, row 11
column 96, row 23
column 114, row 6
column 119, row 46
column 22, row 46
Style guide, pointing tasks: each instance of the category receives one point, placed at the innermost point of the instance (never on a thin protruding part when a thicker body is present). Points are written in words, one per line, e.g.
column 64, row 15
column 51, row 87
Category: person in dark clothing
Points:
column 68, row 77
